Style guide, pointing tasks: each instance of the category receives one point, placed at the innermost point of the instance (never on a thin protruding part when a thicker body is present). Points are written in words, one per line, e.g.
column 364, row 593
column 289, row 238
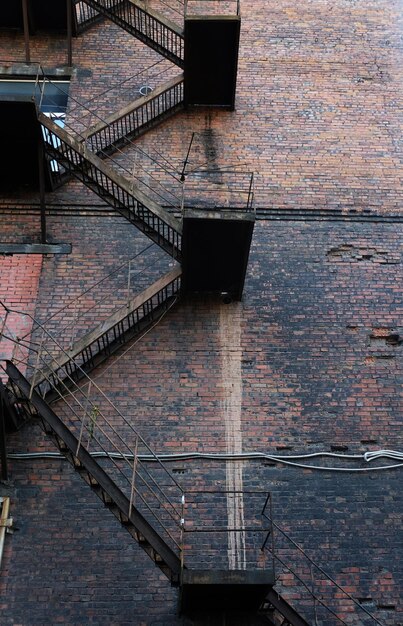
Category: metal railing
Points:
column 138, row 174
column 85, row 15
column 73, row 354
column 161, row 35
column 117, row 191
column 209, row 540
column 109, row 434
column 71, row 364
column 102, row 298
column 321, row 599
column 137, row 118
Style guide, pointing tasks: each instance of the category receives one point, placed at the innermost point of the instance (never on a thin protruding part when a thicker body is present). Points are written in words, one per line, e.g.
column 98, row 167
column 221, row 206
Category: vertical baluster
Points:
column 133, row 489
column 87, row 399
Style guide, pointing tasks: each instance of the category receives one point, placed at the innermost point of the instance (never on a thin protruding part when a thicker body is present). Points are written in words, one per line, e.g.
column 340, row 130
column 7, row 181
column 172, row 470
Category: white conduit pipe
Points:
column 247, row 456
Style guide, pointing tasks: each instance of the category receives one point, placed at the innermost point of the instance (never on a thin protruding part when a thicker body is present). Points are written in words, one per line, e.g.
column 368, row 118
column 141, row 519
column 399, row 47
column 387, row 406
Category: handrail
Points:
column 88, row 378
column 122, row 320
column 310, row 585
column 85, row 16
column 100, row 426
column 79, row 454
column 133, row 119
column 112, row 187
column 42, row 80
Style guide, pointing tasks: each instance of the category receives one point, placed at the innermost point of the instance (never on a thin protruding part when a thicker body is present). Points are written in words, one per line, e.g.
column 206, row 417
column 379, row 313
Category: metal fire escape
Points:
column 207, row 49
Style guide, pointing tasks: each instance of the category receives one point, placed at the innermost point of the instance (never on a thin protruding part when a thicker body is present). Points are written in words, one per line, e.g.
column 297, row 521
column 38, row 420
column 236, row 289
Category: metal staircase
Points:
column 104, row 481
column 113, row 188
column 153, row 517
column 150, row 505
column 147, row 25
column 63, row 370
column 137, row 118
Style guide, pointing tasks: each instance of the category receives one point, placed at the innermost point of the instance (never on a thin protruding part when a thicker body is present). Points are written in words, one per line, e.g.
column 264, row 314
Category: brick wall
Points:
column 19, row 280
column 304, row 364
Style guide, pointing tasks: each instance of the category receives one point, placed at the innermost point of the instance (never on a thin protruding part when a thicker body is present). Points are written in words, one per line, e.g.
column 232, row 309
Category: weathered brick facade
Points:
column 310, row 360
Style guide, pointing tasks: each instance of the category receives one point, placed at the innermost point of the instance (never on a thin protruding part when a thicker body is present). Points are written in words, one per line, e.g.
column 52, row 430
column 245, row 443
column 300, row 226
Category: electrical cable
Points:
column 246, row 456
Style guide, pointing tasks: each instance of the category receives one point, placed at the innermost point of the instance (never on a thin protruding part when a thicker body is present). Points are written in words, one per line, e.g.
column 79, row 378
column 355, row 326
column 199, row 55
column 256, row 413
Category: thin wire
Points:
column 309, row 591
column 183, row 456
column 92, row 287
column 322, row 571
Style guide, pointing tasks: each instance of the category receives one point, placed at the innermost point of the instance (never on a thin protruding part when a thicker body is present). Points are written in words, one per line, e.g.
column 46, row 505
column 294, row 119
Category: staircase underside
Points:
column 211, row 60
column 224, row 590
column 279, row 611
column 43, row 15
column 216, row 248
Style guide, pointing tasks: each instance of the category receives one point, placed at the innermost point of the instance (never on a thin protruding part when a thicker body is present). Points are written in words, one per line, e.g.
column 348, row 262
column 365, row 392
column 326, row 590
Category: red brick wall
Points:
column 19, row 281
column 305, row 367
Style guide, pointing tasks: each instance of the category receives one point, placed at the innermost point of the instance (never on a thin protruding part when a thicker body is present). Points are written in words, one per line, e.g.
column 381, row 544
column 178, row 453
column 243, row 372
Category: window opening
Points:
column 51, row 98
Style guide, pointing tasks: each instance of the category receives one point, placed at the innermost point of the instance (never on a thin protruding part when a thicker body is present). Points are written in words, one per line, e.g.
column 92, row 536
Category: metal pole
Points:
column 272, row 536
column 129, row 273
column 3, row 450
column 182, row 533
column 42, row 190
column 69, row 33
column 87, row 399
column 187, row 159
column 26, row 30
column 133, row 488
column 315, row 608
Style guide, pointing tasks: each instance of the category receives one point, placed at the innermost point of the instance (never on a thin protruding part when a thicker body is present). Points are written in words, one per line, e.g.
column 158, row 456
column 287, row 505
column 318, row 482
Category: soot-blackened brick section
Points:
column 308, row 362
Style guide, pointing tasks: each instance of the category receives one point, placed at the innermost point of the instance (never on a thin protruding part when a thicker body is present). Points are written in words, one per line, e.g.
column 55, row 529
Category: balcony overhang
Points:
column 215, row 248
column 224, row 590
column 43, row 15
column 211, row 60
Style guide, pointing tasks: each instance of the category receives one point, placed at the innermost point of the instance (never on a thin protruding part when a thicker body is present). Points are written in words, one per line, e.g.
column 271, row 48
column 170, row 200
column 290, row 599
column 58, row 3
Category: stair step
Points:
column 276, row 604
